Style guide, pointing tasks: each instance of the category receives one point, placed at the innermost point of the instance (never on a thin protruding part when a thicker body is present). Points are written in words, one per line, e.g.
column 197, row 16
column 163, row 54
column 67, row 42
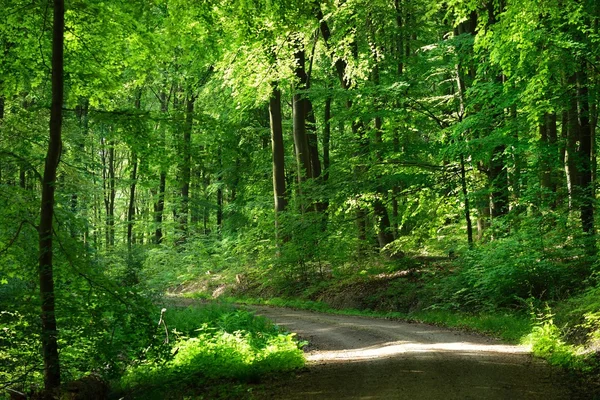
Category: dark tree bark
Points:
column 549, row 159
column 22, row 176
column 573, row 163
column 326, row 138
column 585, row 153
column 278, row 151
column 159, row 204
column 159, row 207
column 131, row 207
column 463, row 184
column 299, row 111
column 109, row 187
column 384, row 233
column 206, row 209
column 220, row 194
column 186, row 165
column 49, row 332
column 498, row 177
column 312, row 141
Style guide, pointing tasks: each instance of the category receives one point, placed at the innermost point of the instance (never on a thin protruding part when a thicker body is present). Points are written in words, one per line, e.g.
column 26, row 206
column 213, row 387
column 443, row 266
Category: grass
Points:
column 542, row 336
column 214, row 347
column 508, row 327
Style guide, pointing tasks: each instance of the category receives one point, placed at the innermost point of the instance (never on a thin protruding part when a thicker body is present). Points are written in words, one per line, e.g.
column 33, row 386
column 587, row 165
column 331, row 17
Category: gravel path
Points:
column 368, row 358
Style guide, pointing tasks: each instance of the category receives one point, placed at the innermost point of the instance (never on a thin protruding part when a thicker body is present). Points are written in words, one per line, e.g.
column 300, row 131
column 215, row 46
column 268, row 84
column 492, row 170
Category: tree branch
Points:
column 24, row 161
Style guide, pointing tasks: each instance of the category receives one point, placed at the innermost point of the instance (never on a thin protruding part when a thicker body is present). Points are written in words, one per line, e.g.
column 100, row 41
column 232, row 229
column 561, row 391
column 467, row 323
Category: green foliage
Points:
column 548, row 341
column 509, row 270
column 215, row 342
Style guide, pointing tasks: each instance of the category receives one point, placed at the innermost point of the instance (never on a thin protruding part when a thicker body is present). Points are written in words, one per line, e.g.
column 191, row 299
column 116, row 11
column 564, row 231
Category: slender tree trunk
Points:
column 384, row 234
column 131, row 208
column 186, row 166
column 159, row 208
column 326, row 138
column 461, row 86
column 312, row 141
column 569, row 134
column 549, row 159
column 22, row 176
column 49, row 332
column 299, row 112
column 220, row 194
column 206, row 210
column 463, row 184
column 132, row 184
column 499, row 182
column 159, row 204
column 111, row 195
column 278, row 152
column 585, row 153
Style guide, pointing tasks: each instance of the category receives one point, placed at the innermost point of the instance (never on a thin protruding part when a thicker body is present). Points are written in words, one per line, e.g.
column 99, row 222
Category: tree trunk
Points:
column 312, row 141
column 186, row 166
column 220, row 194
column 278, row 151
column 463, row 184
column 159, row 207
column 587, row 197
column 326, row 138
column 299, row 111
column 384, row 233
column 159, row 204
column 49, row 332
column 498, row 179
column 549, row 159
column 110, row 214
column 131, row 208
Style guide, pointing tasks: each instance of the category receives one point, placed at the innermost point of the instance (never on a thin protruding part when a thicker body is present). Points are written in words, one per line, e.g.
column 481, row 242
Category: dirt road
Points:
column 367, row 358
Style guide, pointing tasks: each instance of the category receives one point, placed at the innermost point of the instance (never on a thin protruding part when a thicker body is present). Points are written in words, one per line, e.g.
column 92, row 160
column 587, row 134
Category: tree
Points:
column 49, row 331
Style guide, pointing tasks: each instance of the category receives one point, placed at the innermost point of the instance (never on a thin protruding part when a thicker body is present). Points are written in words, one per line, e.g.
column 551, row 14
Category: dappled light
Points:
column 392, row 349
column 166, row 163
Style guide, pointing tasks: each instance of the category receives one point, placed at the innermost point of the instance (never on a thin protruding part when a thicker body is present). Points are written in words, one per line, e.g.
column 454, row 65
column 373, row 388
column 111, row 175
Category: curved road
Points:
column 368, row 358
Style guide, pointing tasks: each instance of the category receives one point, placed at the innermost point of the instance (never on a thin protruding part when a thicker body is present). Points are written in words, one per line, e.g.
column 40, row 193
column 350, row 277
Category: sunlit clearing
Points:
column 388, row 350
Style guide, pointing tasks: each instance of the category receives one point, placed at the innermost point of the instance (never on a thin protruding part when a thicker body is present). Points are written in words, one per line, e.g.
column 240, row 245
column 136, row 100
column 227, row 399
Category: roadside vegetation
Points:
column 521, row 289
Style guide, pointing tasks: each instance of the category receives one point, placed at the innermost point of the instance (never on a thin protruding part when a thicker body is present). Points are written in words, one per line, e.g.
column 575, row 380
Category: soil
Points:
column 368, row 358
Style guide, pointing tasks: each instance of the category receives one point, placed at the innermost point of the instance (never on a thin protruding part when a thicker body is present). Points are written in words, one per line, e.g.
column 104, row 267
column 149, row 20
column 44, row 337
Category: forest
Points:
column 431, row 160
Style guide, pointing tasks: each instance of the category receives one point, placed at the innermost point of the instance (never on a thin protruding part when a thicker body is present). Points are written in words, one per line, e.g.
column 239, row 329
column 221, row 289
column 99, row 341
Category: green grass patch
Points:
column 212, row 343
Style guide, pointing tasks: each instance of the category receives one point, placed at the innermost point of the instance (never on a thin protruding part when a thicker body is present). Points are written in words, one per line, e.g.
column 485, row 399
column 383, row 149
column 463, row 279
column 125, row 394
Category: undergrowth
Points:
column 213, row 343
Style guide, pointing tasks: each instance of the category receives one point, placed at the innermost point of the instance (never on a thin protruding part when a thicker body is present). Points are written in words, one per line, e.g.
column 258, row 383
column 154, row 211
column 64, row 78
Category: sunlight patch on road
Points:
column 388, row 350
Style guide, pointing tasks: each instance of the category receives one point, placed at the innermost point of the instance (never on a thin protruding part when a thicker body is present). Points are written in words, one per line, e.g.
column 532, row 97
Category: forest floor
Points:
column 353, row 357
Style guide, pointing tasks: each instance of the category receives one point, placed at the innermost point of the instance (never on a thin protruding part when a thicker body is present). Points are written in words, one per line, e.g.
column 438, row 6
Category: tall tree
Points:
column 49, row 332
